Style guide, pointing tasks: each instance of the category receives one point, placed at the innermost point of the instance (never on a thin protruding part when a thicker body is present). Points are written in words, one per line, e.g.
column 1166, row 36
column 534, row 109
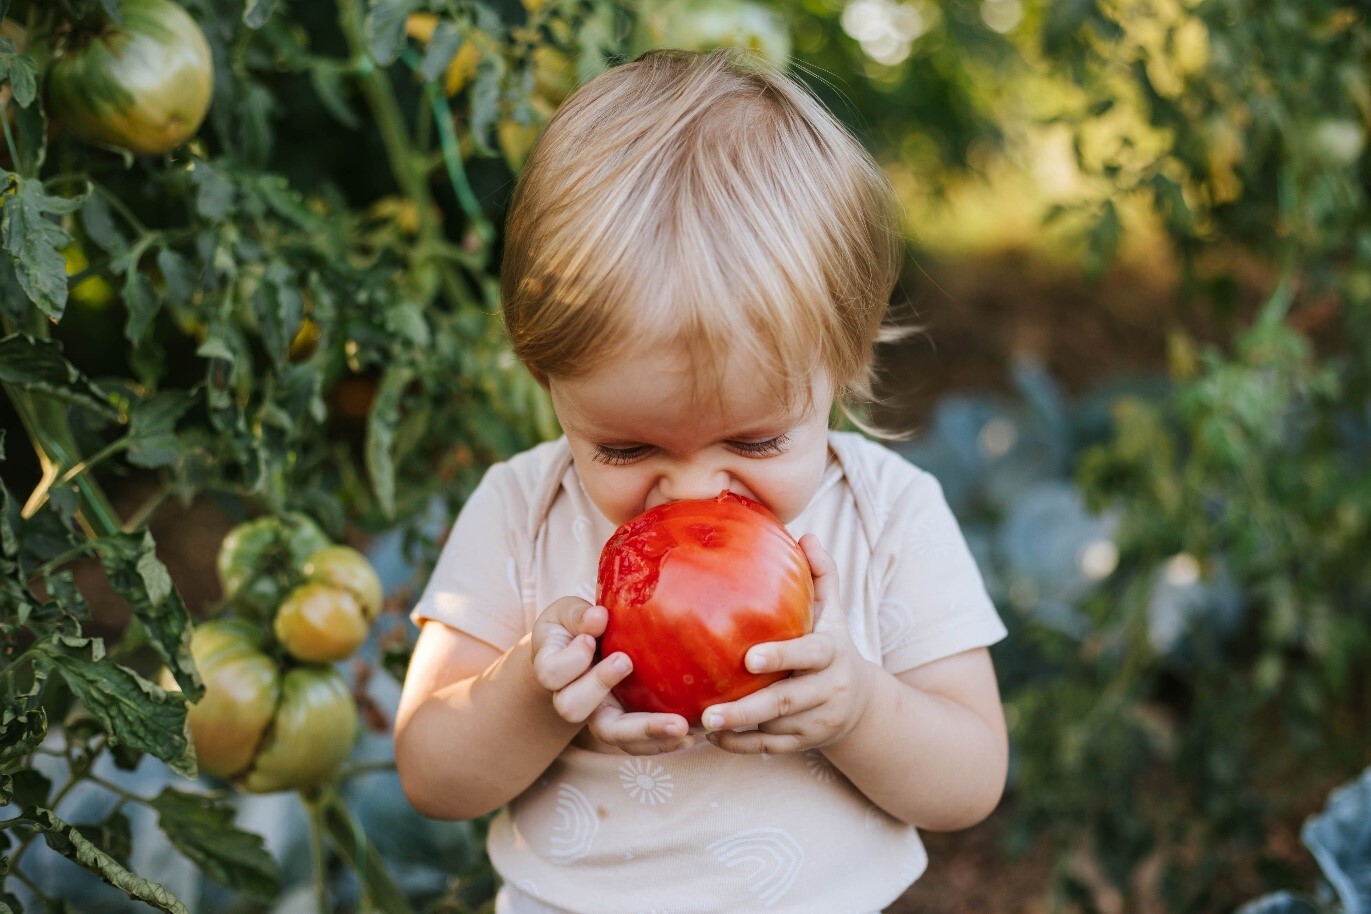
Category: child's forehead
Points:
column 668, row 383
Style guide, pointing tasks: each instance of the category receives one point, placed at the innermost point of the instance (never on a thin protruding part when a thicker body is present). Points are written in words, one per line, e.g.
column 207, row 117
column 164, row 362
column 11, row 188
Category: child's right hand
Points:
column 564, row 638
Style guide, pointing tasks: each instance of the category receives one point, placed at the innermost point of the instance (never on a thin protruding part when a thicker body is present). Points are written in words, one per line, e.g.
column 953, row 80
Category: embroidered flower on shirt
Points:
column 820, row 767
column 646, row 781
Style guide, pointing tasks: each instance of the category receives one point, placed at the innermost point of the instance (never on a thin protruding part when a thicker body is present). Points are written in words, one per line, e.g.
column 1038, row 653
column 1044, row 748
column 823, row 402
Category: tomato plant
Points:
column 690, row 586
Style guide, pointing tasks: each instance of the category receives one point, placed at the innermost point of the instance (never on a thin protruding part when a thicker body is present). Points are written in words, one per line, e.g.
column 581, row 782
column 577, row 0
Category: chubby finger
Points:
column 788, row 697
column 808, row 652
column 562, row 658
column 757, row 742
column 640, row 733
column 577, row 700
column 578, row 616
column 825, row 572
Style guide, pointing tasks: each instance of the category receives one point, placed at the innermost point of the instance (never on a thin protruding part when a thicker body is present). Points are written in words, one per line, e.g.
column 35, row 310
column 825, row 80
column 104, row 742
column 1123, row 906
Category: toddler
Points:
column 697, row 268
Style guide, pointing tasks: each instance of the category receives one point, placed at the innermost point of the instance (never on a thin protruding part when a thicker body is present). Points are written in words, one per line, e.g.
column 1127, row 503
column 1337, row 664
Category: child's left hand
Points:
column 825, row 697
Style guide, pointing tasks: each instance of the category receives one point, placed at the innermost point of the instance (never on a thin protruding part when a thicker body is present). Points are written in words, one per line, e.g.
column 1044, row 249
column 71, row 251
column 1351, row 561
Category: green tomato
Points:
column 320, row 623
column 261, row 558
column 242, row 687
column 144, row 84
column 311, row 735
column 702, row 25
column 343, row 566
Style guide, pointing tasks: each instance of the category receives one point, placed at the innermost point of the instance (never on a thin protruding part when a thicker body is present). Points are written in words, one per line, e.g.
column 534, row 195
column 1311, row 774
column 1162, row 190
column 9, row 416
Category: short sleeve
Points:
column 933, row 601
column 475, row 587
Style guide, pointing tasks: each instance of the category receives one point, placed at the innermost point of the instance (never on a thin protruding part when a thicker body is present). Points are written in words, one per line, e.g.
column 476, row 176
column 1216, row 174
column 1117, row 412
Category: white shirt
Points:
column 703, row 830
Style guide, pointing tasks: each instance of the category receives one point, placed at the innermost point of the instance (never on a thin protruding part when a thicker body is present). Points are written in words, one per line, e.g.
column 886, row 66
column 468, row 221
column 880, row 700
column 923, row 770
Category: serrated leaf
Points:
column 21, row 72
column 381, row 427
column 257, row 12
column 114, row 836
column 152, row 429
column 141, row 303
column 385, row 28
column 486, row 96
column 214, row 198
column 181, row 281
column 132, row 710
column 328, row 83
column 68, row 841
column 202, row 829
column 97, row 219
column 278, row 307
column 34, row 242
column 442, row 47
column 38, row 365
column 134, row 571
column 21, row 731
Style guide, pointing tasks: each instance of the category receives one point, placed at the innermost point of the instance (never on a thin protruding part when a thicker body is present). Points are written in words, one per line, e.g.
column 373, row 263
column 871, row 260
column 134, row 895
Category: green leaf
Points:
column 486, row 92
column 327, row 79
column 215, row 195
column 21, row 732
column 381, row 427
column 152, row 429
column 38, row 365
column 202, row 829
column 98, row 221
column 131, row 564
column 442, row 47
column 257, row 12
column 21, row 72
column 385, row 28
column 278, row 307
column 142, row 304
column 180, row 278
column 34, row 242
column 114, row 836
column 132, row 710
column 68, row 841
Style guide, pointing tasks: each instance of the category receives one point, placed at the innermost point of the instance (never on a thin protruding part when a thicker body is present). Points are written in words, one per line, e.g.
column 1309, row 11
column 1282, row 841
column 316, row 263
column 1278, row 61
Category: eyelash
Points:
column 619, row 456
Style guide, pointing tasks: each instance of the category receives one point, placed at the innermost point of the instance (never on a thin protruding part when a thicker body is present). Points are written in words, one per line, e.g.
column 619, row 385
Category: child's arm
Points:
column 475, row 726
column 928, row 746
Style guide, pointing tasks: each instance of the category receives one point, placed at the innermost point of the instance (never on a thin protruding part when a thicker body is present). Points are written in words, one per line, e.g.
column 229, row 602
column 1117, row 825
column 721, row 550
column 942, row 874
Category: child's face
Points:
column 640, row 439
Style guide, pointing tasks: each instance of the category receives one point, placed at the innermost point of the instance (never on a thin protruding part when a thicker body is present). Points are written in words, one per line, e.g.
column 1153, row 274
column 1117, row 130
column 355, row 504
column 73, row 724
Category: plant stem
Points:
column 405, row 163
column 318, row 863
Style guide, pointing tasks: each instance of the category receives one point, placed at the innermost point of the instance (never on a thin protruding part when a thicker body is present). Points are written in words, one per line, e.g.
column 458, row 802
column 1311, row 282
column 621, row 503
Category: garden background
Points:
column 1140, row 252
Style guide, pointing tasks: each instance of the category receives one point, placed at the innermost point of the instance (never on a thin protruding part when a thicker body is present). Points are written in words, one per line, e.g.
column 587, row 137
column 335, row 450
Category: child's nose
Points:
column 693, row 480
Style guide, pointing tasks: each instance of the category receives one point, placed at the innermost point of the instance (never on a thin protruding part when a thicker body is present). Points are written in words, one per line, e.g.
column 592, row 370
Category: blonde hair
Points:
column 707, row 200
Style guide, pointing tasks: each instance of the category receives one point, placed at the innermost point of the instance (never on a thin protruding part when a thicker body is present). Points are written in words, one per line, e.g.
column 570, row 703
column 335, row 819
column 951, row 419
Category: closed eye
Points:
column 771, row 447
column 618, row 456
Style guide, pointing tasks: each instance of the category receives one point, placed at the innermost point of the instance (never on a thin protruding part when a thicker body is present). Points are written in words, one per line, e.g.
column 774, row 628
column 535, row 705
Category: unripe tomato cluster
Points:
column 276, row 715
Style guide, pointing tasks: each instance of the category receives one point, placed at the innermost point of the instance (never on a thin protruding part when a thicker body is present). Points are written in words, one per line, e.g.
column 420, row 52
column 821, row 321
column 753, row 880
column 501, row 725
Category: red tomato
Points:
column 690, row 586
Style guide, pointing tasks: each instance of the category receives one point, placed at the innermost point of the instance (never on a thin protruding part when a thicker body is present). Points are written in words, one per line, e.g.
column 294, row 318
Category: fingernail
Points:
column 756, row 662
column 713, row 721
column 622, row 664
